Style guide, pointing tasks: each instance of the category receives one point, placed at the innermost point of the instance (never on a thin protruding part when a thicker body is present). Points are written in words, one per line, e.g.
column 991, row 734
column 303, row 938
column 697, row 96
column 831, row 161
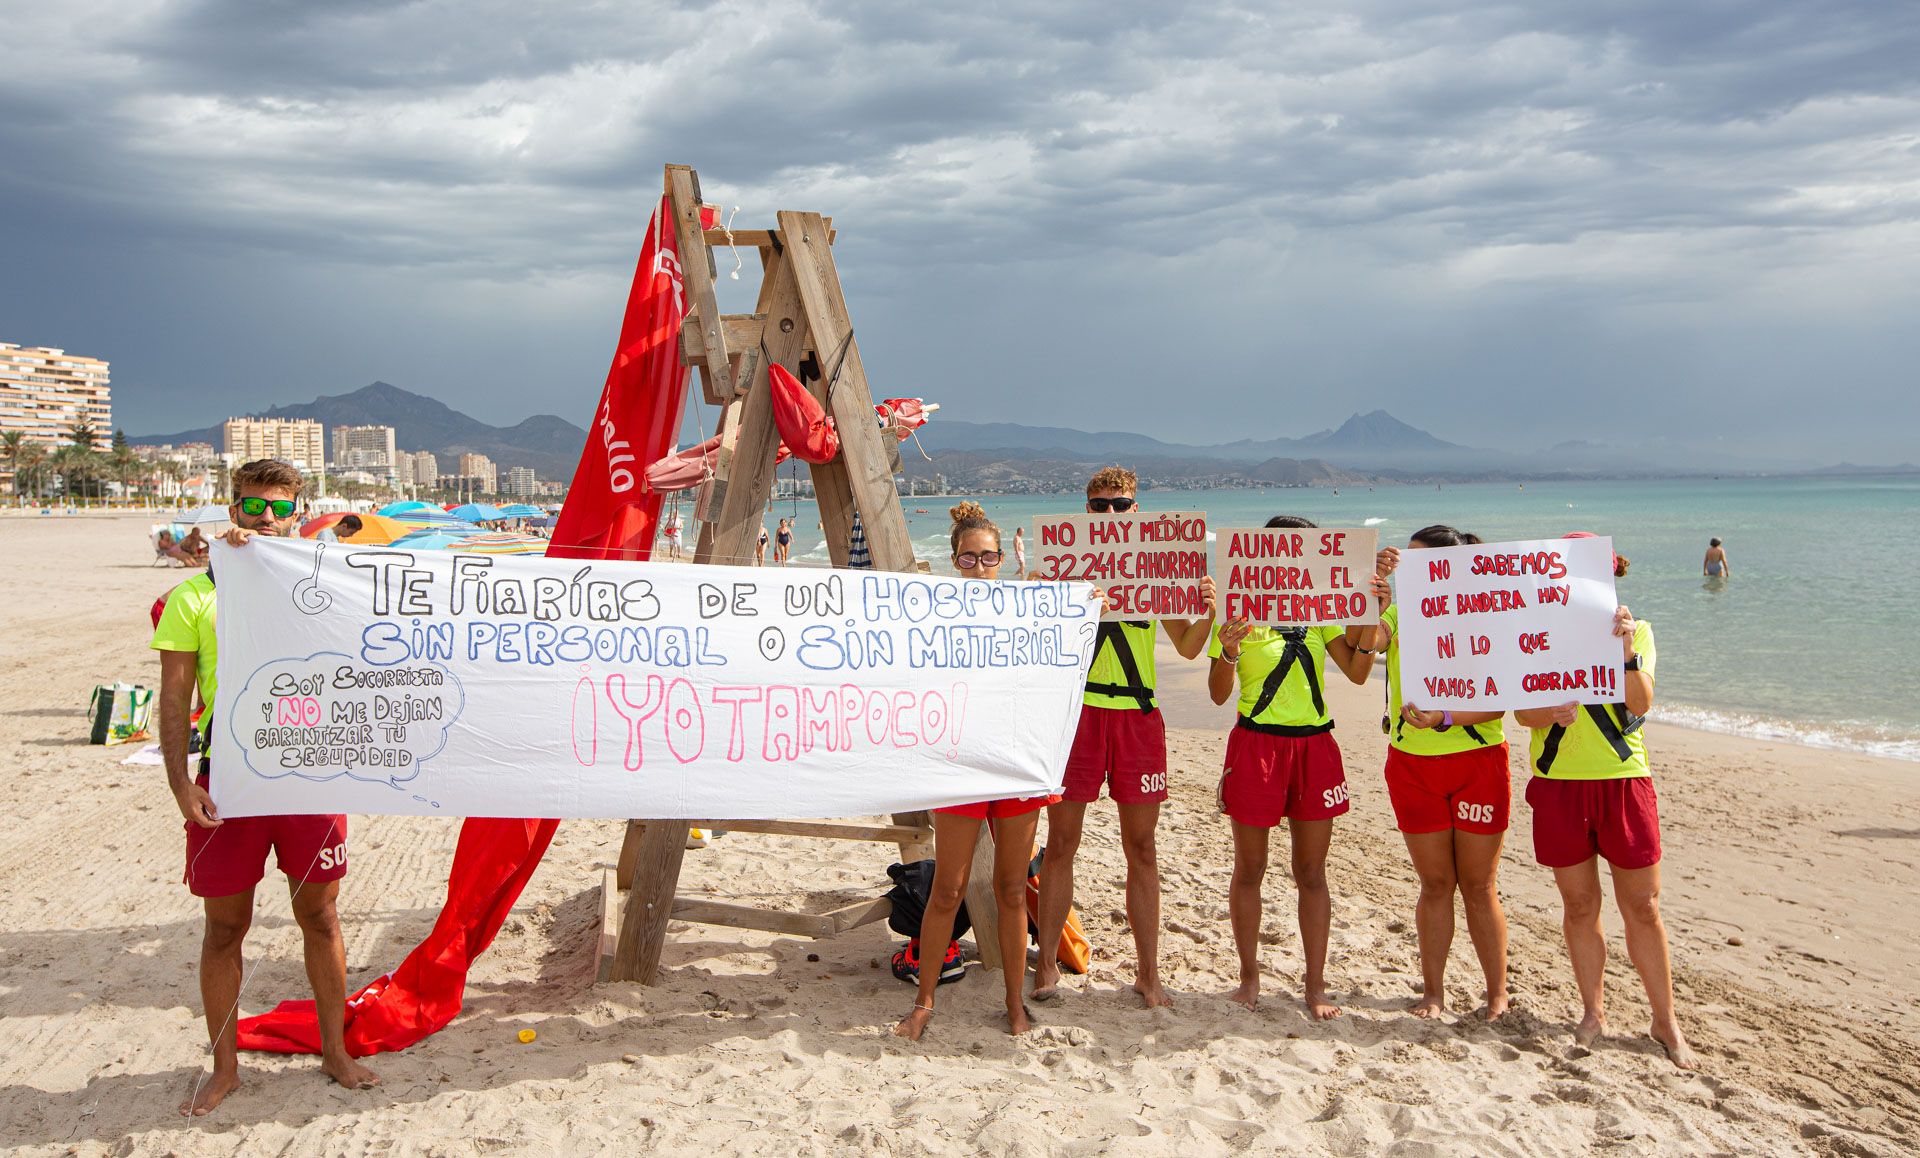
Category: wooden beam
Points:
column 759, row 238
column 643, row 927
column 751, row 471
column 865, row 913
column 747, row 917
column 863, row 456
column 696, row 277
column 629, row 854
column 609, row 925
column 740, row 331
column 922, row 847
column 981, row 907
column 825, row 829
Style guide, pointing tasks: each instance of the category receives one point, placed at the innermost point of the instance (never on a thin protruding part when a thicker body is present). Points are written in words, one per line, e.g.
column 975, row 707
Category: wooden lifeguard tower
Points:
column 801, row 322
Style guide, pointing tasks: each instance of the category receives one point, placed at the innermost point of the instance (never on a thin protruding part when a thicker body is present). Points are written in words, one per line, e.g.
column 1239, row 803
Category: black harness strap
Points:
column 1296, row 652
column 1109, row 634
column 1615, row 724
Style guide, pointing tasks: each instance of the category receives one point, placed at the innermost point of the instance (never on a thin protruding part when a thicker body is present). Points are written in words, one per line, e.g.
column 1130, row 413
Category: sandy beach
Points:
column 1790, row 878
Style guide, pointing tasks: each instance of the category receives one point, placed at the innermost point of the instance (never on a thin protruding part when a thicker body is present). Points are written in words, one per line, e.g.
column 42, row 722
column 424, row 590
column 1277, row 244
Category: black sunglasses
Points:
column 255, row 507
column 1104, row 505
column 968, row 560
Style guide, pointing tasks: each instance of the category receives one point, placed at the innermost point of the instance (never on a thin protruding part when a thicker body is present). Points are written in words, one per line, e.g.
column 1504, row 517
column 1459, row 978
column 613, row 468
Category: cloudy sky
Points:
column 1508, row 223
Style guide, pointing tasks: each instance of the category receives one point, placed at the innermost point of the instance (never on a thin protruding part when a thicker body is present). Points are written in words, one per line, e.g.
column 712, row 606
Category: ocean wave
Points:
column 1846, row 735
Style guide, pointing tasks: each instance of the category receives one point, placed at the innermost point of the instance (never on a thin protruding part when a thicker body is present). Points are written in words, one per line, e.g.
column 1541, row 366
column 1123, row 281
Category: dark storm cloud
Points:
column 1325, row 174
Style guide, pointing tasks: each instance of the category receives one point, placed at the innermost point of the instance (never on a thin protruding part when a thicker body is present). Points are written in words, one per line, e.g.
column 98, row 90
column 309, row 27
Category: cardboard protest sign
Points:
column 377, row 680
column 1149, row 565
column 1295, row 576
column 1497, row 626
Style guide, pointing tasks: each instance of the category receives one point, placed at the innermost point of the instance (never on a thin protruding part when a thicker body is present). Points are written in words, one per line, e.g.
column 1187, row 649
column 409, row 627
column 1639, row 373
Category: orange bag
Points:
column 1075, row 952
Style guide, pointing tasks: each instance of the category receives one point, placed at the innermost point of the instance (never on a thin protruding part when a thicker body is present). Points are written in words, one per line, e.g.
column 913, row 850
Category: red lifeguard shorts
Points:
column 1123, row 748
column 1270, row 778
column 1576, row 819
column 233, row 857
column 1001, row 809
column 1464, row 790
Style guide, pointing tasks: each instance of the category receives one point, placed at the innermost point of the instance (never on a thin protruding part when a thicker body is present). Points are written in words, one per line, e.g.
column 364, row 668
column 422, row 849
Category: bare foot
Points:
column 1046, row 981
column 1321, row 1006
column 1151, row 993
column 1496, row 1007
column 1248, row 994
column 1429, row 1006
column 1019, row 1019
column 913, row 1024
column 349, row 1073
column 1678, row 1051
column 209, row 1092
column 1589, row 1030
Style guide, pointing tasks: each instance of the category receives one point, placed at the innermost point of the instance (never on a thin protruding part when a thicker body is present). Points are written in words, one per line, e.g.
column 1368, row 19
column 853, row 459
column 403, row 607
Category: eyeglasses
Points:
column 1102, row 506
column 968, row 560
column 255, row 507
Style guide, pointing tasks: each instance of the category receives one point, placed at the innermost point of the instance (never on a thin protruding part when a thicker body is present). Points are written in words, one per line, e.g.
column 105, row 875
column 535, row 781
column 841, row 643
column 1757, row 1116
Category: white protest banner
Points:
column 377, row 680
column 1149, row 565
column 1296, row 576
column 1497, row 626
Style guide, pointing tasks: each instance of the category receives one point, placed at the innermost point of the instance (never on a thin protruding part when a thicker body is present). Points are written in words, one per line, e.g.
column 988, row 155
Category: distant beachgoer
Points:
column 226, row 858
column 193, row 548
column 1447, row 778
column 345, row 528
column 783, row 542
column 1019, row 550
column 671, row 533
column 976, row 555
column 1120, row 745
column 760, row 548
column 1592, row 796
column 1715, row 565
column 1282, row 763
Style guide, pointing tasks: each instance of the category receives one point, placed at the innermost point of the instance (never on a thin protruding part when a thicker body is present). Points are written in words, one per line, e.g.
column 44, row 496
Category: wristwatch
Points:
column 1633, row 663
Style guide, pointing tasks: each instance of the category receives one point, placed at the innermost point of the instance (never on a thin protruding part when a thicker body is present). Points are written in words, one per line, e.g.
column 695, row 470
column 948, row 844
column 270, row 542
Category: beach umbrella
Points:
column 521, row 511
column 312, row 527
column 405, row 506
column 432, row 517
column 205, row 516
column 430, row 539
column 477, row 513
column 375, row 530
column 501, row 543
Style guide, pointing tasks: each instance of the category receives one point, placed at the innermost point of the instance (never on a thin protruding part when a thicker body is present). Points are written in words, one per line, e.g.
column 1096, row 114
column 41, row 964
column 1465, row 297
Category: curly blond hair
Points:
column 1113, row 478
column 970, row 516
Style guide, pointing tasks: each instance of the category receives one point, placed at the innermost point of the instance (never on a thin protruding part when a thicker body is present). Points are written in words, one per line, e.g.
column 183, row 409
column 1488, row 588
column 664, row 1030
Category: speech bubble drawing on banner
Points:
column 328, row 715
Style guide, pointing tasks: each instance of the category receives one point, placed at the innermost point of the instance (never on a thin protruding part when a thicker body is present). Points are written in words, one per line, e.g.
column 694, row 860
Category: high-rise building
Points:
column 299, row 441
column 520, row 483
column 368, row 448
column 45, row 392
column 426, row 469
column 480, row 469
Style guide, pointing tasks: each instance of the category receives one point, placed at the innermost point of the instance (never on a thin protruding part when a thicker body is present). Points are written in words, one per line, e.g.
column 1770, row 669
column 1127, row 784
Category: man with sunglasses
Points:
column 227, row 858
column 1121, row 743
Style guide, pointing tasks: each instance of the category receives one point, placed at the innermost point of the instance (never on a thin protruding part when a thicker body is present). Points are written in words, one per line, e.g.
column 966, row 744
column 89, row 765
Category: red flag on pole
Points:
column 610, row 512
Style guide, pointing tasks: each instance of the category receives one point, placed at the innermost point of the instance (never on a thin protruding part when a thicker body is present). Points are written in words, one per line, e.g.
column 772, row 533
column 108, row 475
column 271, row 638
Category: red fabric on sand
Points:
column 492, row 863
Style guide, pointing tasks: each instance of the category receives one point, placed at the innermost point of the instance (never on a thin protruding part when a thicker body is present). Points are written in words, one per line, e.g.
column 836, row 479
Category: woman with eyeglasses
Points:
column 1282, row 763
column 976, row 555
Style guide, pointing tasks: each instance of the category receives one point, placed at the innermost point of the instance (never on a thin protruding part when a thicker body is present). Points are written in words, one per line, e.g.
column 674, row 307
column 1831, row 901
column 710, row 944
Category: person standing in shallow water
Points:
column 976, row 555
column 1715, row 565
column 1592, row 797
column 1282, row 764
column 1446, row 774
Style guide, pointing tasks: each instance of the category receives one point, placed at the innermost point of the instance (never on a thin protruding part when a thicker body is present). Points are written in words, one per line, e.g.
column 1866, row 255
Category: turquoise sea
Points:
column 1810, row 641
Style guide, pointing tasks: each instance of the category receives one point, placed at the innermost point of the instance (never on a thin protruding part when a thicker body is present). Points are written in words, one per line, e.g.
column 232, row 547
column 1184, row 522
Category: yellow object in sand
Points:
column 527, row 1035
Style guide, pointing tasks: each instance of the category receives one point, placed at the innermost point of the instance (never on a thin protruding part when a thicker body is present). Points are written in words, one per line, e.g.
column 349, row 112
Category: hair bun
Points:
column 1620, row 564
column 968, row 512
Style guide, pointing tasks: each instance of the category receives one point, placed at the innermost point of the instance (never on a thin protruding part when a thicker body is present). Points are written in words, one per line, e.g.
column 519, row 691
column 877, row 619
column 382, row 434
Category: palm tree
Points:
column 29, row 466
column 13, row 445
column 125, row 463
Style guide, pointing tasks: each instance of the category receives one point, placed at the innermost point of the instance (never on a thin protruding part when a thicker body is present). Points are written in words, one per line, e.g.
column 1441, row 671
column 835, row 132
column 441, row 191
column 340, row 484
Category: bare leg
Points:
column 1012, row 853
column 221, row 968
column 1243, row 906
column 953, row 841
column 314, row 910
column 1586, row 944
column 1432, row 854
column 1476, row 861
column 1637, row 892
column 1064, row 825
column 1311, row 840
column 1137, row 824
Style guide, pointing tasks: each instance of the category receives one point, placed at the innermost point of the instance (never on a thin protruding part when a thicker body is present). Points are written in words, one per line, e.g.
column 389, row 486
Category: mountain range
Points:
column 549, row 444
